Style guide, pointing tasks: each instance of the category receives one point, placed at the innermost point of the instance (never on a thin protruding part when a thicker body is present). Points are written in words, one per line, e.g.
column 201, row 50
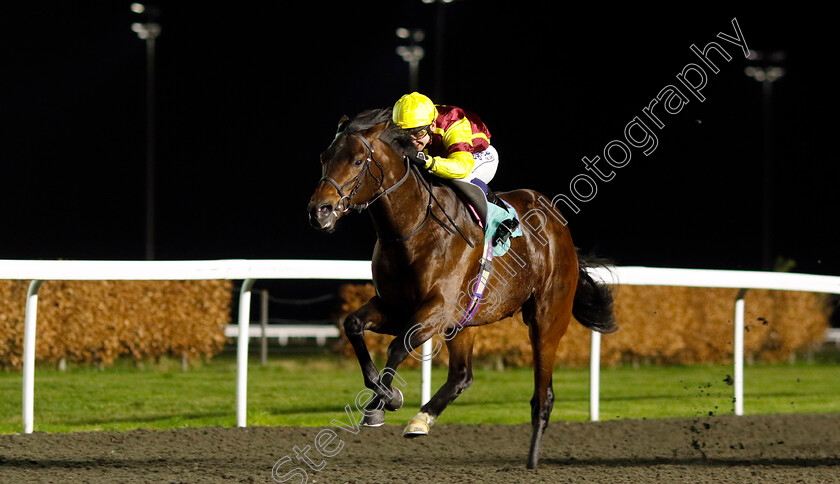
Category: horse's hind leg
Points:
column 459, row 379
column 546, row 326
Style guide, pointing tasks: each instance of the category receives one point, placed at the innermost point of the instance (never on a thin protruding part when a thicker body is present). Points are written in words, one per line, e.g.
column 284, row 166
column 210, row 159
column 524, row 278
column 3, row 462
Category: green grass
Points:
column 311, row 391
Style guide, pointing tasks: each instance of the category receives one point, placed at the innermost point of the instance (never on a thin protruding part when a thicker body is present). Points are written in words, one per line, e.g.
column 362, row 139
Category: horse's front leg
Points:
column 425, row 324
column 371, row 317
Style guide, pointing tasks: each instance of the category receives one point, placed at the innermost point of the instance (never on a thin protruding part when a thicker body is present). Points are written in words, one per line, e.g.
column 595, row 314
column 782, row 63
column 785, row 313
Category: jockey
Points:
column 452, row 143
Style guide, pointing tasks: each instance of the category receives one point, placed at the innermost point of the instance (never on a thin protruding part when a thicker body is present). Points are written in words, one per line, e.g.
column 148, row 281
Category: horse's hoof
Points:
column 396, row 402
column 418, row 426
column 373, row 418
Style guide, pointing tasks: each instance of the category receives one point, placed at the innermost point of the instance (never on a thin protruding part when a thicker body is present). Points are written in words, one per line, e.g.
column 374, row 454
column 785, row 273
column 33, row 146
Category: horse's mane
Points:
column 393, row 135
column 367, row 119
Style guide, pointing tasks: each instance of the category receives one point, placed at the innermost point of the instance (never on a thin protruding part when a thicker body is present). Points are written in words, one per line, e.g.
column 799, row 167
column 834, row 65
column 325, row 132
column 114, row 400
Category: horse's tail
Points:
column 593, row 305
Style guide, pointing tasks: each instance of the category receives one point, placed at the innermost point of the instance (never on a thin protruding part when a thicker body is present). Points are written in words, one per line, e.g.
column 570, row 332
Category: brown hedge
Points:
column 99, row 321
column 658, row 324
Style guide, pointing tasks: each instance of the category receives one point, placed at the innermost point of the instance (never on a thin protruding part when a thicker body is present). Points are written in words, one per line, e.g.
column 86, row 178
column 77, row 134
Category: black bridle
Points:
column 357, row 183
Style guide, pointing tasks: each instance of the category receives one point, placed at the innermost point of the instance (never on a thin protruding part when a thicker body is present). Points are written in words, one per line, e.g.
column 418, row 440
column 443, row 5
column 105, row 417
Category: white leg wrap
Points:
column 419, row 425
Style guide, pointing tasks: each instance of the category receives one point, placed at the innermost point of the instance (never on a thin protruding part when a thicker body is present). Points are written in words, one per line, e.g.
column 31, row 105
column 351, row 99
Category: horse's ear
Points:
column 342, row 123
column 378, row 129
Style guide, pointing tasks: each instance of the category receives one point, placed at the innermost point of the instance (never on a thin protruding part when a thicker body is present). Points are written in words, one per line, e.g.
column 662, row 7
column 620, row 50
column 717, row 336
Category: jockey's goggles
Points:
column 420, row 132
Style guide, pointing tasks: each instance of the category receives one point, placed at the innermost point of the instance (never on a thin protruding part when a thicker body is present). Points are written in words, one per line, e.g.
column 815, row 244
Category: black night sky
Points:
column 248, row 95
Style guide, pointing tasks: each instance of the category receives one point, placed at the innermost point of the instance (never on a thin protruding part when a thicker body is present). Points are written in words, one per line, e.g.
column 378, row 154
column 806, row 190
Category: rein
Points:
column 428, row 186
column 345, row 206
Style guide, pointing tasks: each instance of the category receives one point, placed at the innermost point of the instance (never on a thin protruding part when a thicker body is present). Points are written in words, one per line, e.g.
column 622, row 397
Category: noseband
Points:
column 344, row 203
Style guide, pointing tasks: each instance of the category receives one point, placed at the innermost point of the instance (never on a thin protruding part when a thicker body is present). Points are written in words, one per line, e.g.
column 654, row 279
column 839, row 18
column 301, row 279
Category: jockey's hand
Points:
column 419, row 159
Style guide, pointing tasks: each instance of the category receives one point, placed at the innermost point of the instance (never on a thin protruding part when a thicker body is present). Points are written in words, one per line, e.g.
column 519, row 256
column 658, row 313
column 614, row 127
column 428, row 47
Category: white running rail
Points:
column 249, row 271
column 743, row 280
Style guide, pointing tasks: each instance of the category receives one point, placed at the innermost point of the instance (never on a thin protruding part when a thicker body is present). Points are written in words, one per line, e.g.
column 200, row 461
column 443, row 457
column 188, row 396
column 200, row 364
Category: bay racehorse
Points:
column 427, row 256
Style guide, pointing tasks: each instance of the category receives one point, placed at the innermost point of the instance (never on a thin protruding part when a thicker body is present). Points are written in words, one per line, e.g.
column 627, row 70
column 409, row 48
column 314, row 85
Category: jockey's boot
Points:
column 507, row 227
column 504, row 231
column 494, row 199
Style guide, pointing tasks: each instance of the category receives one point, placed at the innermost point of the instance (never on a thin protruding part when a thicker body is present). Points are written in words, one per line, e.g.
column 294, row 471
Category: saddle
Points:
column 474, row 197
column 488, row 215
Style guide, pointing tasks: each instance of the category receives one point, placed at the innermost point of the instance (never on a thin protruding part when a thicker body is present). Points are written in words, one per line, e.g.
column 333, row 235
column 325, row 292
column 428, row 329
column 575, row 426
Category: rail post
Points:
column 263, row 327
column 738, row 353
column 594, row 376
column 242, row 352
column 426, row 373
column 30, row 324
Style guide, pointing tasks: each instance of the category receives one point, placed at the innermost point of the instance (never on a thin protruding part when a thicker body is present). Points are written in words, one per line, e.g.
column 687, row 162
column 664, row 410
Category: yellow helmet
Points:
column 414, row 110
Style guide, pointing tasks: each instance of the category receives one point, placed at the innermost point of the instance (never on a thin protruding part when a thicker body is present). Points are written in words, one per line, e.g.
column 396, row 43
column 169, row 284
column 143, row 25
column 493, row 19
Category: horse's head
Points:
column 354, row 169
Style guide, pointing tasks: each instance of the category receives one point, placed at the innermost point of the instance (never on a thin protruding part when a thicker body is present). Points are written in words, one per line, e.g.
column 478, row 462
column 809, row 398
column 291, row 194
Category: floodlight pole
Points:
column 767, row 74
column 149, row 31
column 412, row 54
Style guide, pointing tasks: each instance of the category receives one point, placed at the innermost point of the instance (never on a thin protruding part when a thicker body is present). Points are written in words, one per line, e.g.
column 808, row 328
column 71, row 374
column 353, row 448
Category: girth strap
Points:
column 480, row 284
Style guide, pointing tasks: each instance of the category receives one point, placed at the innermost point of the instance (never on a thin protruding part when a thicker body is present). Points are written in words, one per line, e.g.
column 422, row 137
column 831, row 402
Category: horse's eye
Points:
column 358, row 163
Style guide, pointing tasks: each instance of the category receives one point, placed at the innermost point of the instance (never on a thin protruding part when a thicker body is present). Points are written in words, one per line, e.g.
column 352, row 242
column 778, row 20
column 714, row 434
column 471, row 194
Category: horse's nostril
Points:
column 322, row 217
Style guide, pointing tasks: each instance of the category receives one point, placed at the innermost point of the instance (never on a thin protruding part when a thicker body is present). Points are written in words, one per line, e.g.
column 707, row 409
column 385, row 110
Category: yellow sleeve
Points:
column 460, row 163
column 456, row 165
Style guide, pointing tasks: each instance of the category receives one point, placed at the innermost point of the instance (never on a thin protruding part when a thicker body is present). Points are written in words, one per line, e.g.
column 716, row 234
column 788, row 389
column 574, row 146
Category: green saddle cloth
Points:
column 495, row 216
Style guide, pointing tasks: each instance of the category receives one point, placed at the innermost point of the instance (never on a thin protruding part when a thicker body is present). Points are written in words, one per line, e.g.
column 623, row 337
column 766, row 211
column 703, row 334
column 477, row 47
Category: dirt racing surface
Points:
column 778, row 448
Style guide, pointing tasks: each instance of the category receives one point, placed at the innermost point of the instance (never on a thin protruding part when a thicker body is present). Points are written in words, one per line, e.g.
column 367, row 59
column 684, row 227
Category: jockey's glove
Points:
column 419, row 159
